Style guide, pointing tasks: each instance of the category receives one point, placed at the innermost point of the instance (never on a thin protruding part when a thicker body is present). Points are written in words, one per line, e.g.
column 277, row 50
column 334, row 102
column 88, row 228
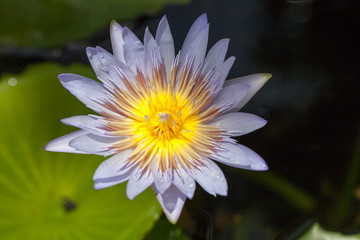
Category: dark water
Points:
column 311, row 104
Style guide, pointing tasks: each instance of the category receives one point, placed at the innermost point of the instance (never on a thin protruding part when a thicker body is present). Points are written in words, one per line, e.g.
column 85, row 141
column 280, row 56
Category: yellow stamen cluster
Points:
column 160, row 120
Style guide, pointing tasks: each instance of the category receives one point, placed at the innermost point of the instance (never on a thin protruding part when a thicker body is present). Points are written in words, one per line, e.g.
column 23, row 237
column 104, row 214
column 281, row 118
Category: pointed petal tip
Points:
column 129, row 194
column 172, row 202
column 174, row 214
column 126, row 30
column 223, row 191
column 90, row 49
column 260, row 166
column 53, row 146
column 97, row 175
column 47, row 147
column 255, row 81
column 261, row 122
column 164, row 18
column 65, row 120
column 262, row 78
column 203, row 17
column 264, row 123
column 114, row 23
column 62, row 75
column 230, row 60
column 226, row 40
column 137, row 185
column 66, row 77
column 96, row 185
column 267, row 76
column 233, row 58
column 163, row 24
column 99, row 49
column 115, row 26
column 172, row 218
column 224, row 194
column 105, row 184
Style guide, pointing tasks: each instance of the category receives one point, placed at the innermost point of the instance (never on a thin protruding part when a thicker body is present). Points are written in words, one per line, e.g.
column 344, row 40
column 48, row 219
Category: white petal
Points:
column 101, row 61
column 184, row 182
column 229, row 96
column 114, row 166
column 255, row 81
column 162, row 180
column 219, row 74
column 224, row 70
column 152, row 57
column 133, row 50
column 238, row 123
column 138, row 182
column 256, row 162
column 149, row 42
column 165, row 42
column 197, row 47
column 108, row 182
column 216, row 55
column 117, row 40
column 88, row 91
column 211, row 179
column 91, row 124
column 93, row 144
column 232, row 155
column 195, row 43
column 199, row 24
column 108, row 69
column 162, row 186
column 172, row 202
column 61, row 144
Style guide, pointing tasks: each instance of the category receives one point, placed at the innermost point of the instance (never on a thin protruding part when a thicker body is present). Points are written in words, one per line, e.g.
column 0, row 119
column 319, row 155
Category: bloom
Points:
column 163, row 117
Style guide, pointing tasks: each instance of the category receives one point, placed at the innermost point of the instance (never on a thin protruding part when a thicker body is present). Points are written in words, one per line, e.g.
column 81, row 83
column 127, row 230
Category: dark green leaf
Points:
column 48, row 23
column 45, row 195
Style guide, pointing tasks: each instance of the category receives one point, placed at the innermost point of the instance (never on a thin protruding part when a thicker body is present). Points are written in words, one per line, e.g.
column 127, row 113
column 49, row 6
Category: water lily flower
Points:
column 162, row 118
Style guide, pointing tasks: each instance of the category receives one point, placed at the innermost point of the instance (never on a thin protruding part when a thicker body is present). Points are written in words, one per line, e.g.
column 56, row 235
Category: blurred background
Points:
column 311, row 142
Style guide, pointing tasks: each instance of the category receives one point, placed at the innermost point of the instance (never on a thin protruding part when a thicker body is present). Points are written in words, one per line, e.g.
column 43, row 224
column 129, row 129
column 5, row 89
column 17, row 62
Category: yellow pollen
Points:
column 165, row 124
column 165, row 128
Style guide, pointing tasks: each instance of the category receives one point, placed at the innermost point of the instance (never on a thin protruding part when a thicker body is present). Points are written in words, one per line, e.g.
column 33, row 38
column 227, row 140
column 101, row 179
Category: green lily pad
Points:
column 49, row 23
column 318, row 233
column 46, row 195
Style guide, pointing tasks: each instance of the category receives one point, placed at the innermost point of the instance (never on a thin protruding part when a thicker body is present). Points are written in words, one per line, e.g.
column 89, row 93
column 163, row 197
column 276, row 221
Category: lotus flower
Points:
column 162, row 118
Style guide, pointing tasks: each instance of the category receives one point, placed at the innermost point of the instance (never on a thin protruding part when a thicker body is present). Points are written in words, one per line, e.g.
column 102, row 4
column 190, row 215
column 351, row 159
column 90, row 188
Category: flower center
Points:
column 164, row 125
